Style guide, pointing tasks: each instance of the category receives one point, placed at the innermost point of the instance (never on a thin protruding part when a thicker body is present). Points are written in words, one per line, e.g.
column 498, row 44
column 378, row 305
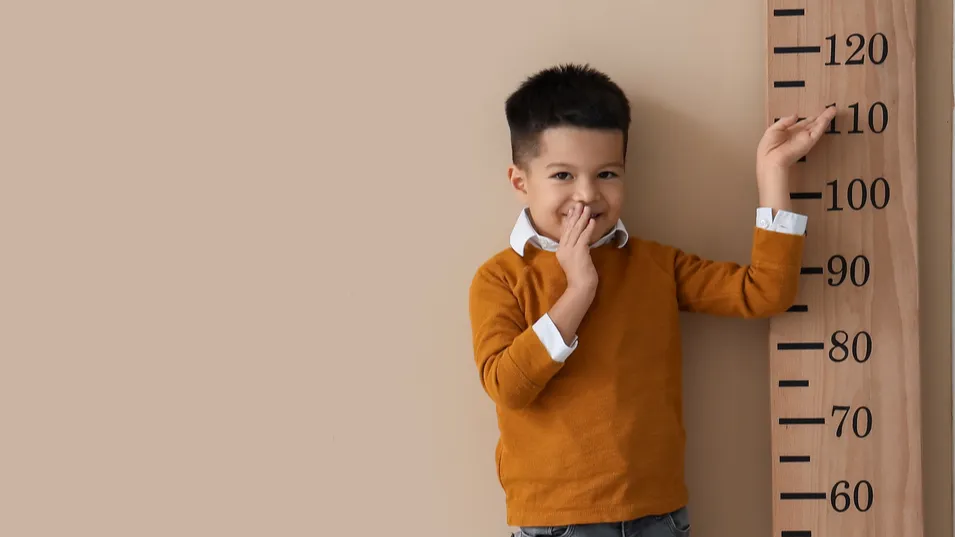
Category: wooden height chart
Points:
column 846, row 430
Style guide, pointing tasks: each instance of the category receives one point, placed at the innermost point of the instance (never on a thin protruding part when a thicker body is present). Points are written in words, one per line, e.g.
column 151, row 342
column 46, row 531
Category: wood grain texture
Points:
column 862, row 215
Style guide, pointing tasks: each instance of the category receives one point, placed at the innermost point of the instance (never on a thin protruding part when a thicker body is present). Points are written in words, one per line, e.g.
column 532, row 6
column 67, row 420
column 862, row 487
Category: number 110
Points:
column 878, row 119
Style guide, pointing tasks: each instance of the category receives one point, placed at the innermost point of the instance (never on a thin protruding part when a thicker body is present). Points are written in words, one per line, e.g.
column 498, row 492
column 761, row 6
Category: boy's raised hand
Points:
column 784, row 143
column 790, row 139
column 573, row 253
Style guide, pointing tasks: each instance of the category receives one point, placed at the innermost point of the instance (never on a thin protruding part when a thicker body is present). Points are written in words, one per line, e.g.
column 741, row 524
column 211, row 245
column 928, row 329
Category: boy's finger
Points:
column 811, row 122
column 568, row 224
column 814, row 131
column 579, row 226
column 784, row 122
column 827, row 116
column 585, row 220
column 588, row 232
column 802, row 124
column 819, row 126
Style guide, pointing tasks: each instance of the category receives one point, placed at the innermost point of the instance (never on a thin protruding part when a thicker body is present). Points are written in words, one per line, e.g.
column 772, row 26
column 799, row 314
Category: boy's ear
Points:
column 518, row 180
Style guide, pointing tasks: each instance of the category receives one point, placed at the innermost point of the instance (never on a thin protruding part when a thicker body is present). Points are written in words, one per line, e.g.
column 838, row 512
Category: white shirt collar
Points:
column 524, row 232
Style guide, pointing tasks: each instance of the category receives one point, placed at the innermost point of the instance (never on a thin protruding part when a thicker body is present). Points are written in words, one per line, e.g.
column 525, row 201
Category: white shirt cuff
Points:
column 550, row 336
column 784, row 222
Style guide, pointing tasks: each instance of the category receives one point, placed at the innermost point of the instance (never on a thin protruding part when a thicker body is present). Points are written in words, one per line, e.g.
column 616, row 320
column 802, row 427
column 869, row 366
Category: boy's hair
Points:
column 565, row 95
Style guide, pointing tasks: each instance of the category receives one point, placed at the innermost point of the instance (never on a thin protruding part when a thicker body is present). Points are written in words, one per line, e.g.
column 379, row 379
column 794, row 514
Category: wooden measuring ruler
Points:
column 846, row 429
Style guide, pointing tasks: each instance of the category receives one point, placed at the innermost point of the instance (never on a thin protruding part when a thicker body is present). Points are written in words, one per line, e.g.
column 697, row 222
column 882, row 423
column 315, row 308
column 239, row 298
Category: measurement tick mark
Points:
column 802, row 496
column 798, row 308
column 789, row 12
column 789, row 84
column 810, row 270
column 805, row 195
column 796, row 533
column 794, row 458
column 796, row 50
column 794, row 384
column 802, row 421
column 801, row 346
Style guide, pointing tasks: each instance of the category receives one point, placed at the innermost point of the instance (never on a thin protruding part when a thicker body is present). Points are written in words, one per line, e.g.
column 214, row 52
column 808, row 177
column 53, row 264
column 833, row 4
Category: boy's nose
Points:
column 586, row 193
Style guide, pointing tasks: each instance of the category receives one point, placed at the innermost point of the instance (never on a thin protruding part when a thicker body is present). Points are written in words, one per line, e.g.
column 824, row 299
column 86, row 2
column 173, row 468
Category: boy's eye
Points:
column 561, row 175
column 607, row 175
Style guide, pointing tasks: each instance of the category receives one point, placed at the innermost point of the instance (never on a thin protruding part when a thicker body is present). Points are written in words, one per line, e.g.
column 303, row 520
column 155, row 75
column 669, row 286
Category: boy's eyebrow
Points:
column 616, row 164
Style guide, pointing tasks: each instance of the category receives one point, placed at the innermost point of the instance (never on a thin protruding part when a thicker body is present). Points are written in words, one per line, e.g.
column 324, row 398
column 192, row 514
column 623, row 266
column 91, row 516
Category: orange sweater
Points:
column 600, row 437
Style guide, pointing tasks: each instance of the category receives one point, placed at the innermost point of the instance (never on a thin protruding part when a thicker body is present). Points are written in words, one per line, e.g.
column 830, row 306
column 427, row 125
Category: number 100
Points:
column 858, row 195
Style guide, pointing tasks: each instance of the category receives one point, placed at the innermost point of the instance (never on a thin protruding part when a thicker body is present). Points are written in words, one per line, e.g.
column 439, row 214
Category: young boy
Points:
column 576, row 324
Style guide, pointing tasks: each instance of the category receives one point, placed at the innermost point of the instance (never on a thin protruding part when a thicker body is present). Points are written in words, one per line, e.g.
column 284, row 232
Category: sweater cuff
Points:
column 775, row 248
column 554, row 343
column 531, row 357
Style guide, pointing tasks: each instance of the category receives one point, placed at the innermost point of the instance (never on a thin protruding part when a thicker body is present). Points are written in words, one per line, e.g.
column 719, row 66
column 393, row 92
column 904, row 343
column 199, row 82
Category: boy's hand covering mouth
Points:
column 574, row 250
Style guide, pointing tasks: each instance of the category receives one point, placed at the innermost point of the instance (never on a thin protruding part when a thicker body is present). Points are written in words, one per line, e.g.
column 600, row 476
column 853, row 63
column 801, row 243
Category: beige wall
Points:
column 237, row 245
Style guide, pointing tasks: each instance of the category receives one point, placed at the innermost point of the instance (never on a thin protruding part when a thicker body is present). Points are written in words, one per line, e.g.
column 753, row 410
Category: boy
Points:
column 576, row 324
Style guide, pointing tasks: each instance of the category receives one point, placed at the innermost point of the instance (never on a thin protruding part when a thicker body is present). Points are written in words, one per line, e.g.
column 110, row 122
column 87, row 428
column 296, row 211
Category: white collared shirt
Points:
column 524, row 233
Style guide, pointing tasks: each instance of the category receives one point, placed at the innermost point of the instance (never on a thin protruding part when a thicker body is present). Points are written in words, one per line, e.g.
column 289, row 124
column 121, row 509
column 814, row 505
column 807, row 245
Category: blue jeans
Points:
column 675, row 524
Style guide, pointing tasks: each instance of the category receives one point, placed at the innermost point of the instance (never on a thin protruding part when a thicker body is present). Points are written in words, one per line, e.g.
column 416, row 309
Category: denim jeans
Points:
column 675, row 524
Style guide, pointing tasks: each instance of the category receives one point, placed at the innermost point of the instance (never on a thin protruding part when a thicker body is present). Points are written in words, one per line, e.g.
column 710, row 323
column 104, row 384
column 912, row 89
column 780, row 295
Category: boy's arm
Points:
column 515, row 360
column 767, row 286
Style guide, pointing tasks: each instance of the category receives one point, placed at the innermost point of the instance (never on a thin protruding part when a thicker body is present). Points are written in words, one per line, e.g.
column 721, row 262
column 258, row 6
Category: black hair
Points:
column 564, row 95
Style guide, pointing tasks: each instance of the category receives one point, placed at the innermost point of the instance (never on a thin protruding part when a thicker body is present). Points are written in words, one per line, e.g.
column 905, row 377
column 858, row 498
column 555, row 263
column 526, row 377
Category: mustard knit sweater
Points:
column 600, row 438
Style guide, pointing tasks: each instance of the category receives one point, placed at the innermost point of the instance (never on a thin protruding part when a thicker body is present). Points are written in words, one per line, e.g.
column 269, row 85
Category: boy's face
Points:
column 573, row 165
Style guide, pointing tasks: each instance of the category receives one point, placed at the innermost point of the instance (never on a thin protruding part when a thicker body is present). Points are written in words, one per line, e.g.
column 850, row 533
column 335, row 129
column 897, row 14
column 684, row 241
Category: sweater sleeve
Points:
column 514, row 364
column 766, row 287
